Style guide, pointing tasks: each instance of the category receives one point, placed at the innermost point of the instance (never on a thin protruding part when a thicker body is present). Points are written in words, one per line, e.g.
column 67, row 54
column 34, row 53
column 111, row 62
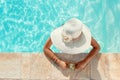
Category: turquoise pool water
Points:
column 25, row 25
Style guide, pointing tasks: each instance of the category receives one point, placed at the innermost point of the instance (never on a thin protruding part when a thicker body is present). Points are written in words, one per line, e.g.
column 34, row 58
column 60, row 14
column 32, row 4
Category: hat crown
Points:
column 73, row 27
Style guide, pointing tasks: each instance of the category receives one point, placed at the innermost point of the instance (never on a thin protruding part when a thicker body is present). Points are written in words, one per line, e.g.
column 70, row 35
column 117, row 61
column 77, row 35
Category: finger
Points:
column 63, row 67
column 77, row 67
column 67, row 65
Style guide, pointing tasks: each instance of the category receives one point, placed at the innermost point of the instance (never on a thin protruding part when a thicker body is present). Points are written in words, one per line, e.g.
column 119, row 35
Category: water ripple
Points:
column 25, row 25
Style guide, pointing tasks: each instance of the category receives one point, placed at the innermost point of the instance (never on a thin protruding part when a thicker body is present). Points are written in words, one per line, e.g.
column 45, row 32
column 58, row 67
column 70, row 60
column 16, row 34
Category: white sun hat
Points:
column 72, row 37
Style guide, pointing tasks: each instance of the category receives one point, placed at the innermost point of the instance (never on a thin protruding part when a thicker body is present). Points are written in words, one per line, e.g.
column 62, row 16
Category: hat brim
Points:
column 74, row 47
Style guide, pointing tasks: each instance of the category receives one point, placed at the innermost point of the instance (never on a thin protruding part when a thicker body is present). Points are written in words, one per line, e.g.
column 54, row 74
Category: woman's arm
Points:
column 88, row 58
column 48, row 52
column 94, row 51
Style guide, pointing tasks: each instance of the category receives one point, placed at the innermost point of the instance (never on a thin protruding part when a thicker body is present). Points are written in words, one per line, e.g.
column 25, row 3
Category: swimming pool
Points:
column 25, row 25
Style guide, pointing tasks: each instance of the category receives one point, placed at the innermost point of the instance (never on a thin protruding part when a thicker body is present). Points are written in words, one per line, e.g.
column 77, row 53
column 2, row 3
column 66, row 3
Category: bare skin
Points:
column 79, row 65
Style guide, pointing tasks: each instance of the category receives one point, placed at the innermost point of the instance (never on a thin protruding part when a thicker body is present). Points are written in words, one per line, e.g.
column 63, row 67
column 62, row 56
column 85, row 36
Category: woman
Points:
column 72, row 38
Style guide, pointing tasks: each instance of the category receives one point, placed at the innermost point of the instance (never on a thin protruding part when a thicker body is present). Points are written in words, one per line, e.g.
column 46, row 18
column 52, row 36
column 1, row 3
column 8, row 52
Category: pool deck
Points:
column 36, row 66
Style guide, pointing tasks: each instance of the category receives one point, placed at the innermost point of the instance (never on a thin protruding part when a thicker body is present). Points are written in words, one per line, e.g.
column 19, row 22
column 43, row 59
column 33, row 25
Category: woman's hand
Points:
column 81, row 65
column 62, row 64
